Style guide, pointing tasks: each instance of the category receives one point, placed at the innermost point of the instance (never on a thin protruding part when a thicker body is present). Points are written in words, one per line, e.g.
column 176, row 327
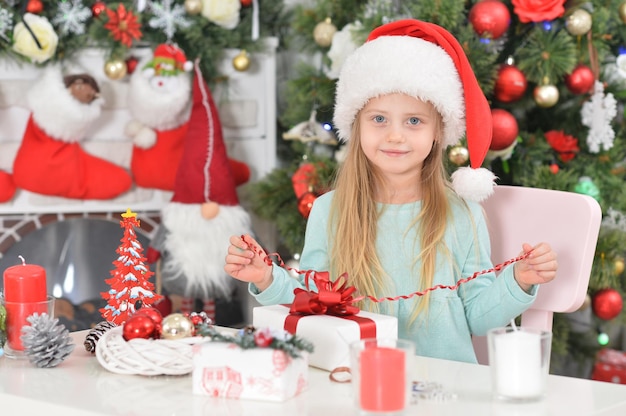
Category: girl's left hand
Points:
column 539, row 267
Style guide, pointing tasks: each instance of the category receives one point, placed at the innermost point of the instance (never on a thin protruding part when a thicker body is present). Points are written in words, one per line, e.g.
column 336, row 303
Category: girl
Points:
column 394, row 222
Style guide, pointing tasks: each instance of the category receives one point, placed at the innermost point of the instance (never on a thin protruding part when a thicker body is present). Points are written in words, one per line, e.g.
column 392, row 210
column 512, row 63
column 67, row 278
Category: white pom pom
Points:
column 148, row 72
column 473, row 184
column 188, row 66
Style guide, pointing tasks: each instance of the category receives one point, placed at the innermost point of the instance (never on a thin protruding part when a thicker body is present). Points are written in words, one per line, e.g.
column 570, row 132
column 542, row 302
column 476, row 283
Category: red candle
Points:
column 25, row 293
column 383, row 379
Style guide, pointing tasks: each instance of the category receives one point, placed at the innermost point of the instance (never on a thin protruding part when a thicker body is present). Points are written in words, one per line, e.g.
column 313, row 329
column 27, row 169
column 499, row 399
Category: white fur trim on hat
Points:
column 405, row 64
column 473, row 184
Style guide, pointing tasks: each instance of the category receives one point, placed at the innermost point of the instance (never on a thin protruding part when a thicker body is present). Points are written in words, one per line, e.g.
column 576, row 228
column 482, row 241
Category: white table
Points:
column 81, row 387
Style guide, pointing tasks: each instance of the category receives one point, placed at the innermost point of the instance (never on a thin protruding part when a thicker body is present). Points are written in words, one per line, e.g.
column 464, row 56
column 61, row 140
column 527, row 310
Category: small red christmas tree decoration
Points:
column 130, row 285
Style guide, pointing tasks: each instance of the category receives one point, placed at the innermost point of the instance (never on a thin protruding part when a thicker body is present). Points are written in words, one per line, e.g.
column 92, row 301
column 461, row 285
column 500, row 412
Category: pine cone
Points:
column 95, row 334
column 46, row 342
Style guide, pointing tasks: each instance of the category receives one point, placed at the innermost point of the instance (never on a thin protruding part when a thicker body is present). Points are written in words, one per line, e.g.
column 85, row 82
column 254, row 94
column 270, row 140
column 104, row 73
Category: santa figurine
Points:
column 192, row 240
column 7, row 187
column 159, row 100
column 50, row 159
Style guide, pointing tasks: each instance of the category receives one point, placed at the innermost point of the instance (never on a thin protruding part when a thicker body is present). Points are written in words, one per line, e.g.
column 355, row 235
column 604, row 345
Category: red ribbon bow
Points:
column 332, row 298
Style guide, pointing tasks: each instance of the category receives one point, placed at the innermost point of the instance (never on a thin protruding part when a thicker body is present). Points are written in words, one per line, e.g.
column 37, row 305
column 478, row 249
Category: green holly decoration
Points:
column 586, row 186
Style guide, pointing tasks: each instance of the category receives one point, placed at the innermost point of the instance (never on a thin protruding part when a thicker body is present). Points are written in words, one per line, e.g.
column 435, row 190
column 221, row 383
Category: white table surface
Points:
column 81, row 387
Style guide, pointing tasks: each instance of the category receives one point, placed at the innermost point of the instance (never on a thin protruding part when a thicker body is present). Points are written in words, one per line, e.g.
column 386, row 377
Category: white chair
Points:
column 569, row 222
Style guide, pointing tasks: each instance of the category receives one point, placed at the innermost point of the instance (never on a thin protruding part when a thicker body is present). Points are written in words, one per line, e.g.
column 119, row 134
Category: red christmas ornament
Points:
column 581, row 80
column 246, row 3
column 138, row 326
column 490, row 18
column 131, row 64
column 34, row 6
column 510, row 85
column 505, row 129
column 97, row 8
column 152, row 313
column 554, row 168
column 607, row 303
column 164, row 305
column 305, row 203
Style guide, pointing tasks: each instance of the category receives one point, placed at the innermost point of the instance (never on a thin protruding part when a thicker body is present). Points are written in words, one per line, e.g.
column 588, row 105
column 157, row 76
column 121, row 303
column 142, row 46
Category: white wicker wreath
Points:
column 146, row 357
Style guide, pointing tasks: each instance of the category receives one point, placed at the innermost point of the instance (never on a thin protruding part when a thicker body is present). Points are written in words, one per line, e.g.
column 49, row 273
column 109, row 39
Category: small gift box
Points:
column 226, row 370
column 610, row 366
column 331, row 335
column 327, row 318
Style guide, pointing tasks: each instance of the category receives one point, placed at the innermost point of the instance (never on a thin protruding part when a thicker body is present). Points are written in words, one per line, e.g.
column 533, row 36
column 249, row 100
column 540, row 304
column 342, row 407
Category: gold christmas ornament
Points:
column 193, row 6
column 546, row 95
column 176, row 326
column 619, row 266
column 586, row 303
column 458, row 155
column 241, row 62
column 622, row 11
column 324, row 32
column 578, row 23
column 115, row 69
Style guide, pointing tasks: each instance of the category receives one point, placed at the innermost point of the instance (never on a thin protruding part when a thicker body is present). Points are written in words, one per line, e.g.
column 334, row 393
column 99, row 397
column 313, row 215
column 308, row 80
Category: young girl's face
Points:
column 397, row 133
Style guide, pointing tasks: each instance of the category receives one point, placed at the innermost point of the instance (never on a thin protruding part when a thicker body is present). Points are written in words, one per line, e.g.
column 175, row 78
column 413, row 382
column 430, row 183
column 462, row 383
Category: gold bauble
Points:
column 586, row 303
column 546, row 95
column 193, row 6
column 241, row 62
column 324, row 32
column 622, row 11
column 578, row 23
column 619, row 266
column 176, row 326
column 458, row 155
column 115, row 69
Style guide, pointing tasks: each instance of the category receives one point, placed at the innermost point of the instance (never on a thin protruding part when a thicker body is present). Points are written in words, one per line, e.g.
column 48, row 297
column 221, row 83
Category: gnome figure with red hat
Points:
column 159, row 101
column 50, row 159
column 192, row 240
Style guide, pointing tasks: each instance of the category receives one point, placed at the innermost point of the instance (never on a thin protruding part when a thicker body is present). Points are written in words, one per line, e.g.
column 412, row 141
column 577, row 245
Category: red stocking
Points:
column 54, row 167
column 7, row 187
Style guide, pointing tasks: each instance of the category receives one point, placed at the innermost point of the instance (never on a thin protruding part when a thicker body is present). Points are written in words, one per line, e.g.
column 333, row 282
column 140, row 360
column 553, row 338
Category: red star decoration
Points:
column 123, row 25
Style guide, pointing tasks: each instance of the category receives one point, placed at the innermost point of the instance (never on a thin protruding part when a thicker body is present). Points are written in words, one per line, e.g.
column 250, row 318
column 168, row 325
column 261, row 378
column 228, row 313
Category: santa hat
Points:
column 425, row 61
column 167, row 60
column 204, row 173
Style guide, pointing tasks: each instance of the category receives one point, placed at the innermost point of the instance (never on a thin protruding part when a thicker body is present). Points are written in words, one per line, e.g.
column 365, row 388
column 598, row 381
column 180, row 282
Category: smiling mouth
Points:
column 394, row 153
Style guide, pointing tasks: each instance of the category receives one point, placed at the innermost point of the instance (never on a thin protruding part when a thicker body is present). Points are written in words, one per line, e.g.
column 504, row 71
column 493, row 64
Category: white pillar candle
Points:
column 518, row 364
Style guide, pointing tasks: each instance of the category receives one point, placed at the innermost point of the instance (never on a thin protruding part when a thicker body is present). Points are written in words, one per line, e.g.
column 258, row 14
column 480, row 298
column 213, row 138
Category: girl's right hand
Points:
column 246, row 262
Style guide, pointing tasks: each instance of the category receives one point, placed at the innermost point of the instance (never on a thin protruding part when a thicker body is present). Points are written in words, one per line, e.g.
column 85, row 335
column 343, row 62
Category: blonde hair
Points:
column 354, row 216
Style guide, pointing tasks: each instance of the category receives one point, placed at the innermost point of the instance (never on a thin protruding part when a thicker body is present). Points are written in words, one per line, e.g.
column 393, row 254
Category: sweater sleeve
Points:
column 314, row 257
column 491, row 300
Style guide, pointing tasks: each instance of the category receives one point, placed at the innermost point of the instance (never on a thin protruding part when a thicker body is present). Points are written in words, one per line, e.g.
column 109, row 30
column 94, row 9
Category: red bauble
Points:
column 34, row 6
column 97, row 8
column 505, row 129
column 305, row 203
column 152, row 313
column 164, row 305
column 510, row 85
column 607, row 303
column 581, row 80
column 139, row 326
column 131, row 64
column 490, row 18
column 246, row 3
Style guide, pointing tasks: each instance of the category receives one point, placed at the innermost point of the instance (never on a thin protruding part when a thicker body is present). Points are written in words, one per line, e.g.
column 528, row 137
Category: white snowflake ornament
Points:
column 72, row 17
column 597, row 114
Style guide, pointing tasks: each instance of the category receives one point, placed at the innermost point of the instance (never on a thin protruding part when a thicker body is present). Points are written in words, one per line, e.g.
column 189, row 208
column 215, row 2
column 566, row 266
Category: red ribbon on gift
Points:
column 332, row 298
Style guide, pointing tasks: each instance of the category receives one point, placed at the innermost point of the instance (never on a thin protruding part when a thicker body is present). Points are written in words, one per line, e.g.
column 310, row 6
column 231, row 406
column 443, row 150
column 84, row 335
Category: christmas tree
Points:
column 131, row 288
column 555, row 77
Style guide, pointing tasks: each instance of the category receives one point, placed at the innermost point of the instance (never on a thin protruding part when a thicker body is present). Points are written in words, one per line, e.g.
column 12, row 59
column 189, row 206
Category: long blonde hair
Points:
column 354, row 215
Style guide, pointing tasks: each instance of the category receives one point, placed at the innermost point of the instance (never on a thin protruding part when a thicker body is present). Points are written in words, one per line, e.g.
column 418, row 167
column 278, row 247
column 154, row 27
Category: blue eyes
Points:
column 414, row 121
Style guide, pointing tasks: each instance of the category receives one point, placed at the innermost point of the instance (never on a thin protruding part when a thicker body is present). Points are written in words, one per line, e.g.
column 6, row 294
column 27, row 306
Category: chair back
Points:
column 568, row 221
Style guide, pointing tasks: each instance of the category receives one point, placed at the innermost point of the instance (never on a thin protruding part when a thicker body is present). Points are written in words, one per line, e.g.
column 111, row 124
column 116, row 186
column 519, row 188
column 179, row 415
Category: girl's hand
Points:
column 539, row 267
column 246, row 262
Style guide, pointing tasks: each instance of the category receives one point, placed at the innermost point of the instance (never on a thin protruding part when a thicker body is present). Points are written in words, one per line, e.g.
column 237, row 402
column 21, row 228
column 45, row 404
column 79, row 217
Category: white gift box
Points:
column 222, row 369
column 331, row 335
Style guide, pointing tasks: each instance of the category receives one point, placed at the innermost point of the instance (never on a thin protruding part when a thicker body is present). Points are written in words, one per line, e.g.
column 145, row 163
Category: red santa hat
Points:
column 167, row 60
column 425, row 61
column 204, row 173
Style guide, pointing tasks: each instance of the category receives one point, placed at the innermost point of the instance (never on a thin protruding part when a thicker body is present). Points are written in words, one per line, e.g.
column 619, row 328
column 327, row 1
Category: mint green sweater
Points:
column 453, row 315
